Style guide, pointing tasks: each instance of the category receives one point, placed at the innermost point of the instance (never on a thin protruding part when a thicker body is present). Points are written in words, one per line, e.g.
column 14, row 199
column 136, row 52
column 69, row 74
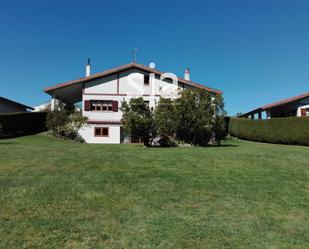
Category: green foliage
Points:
column 165, row 120
column 196, row 114
column 219, row 129
column 194, row 118
column 19, row 124
column 290, row 130
column 66, row 122
column 137, row 119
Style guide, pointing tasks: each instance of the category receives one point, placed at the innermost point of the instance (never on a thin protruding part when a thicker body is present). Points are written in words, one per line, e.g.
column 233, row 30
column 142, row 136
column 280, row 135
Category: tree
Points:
column 137, row 120
column 219, row 126
column 219, row 129
column 66, row 122
column 194, row 117
column 164, row 120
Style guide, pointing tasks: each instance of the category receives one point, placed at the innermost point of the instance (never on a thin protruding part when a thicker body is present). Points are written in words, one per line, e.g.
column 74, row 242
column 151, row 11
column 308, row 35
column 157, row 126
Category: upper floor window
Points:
column 102, row 105
column 146, row 80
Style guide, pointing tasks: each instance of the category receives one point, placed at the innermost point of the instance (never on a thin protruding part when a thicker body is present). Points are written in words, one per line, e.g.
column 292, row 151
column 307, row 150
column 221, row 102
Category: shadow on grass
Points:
column 6, row 143
column 222, row 145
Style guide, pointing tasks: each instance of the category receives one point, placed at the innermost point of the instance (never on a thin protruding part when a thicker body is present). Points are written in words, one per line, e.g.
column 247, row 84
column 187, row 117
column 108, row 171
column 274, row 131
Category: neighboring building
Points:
column 297, row 106
column 10, row 106
column 41, row 108
column 101, row 95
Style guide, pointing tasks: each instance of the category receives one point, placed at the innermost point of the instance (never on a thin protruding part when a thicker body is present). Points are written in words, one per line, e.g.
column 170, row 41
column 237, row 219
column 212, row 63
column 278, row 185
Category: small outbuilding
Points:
column 297, row 106
column 10, row 106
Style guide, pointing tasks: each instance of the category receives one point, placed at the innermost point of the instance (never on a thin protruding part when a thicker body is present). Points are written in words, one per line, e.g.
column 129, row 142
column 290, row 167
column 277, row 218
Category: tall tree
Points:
column 137, row 119
column 164, row 119
column 195, row 112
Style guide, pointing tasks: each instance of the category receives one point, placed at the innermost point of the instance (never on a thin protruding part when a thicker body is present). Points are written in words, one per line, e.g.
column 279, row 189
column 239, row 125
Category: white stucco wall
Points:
column 87, row 132
column 299, row 109
column 106, row 85
column 131, row 82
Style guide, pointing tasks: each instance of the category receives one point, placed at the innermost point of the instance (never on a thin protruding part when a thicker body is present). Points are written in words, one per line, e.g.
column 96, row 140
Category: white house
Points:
column 101, row 95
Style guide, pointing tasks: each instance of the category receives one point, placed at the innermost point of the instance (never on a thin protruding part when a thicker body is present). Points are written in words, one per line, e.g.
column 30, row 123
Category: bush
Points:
column 137, row 120
column 219, row 129
column 290, row 130
column 19, row 124
column 193, row 122
column 164, row 121
column 194, row 118
column 65, row 123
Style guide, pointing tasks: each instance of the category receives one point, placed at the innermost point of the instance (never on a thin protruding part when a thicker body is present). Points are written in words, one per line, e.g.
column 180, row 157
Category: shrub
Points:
column 219, row 129
column 65, row 123
column 194, row 118
column 290, row 130
column 19, row 124
column 164, row 120
column 197, row 117
column 137, row 120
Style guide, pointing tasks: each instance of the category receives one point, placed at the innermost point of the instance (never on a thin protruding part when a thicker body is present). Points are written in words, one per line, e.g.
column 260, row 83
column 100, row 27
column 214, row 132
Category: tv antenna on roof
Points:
column 134, row 55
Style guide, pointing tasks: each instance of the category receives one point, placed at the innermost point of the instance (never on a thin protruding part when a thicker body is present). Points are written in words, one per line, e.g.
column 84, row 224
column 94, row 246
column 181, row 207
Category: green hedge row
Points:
column 290, row 130
column 19, row 124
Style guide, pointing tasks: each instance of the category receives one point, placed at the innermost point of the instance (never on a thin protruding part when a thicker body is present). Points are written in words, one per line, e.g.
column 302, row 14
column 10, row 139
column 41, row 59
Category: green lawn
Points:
column 59, row 194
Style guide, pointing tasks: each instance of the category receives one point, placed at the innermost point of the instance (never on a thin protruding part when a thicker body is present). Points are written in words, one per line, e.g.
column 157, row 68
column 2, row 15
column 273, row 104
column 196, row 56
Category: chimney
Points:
column 187, row 74
column 88, row 68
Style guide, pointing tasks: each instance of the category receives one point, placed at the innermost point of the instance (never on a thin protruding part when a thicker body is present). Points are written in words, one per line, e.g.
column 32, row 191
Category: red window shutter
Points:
column 115, row 106
column 303, row 112
column 87, row 105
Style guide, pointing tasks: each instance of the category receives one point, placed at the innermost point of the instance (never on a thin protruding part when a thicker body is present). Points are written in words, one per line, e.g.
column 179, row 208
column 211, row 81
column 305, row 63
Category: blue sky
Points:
column 256, row 51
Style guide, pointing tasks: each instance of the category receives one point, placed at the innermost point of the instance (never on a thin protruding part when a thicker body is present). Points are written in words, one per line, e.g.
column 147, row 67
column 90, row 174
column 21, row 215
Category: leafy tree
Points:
column 66, row 122
column 164, row 119
column 137, row 120
column 194, row 117
column 219, row 129
column 219, row 125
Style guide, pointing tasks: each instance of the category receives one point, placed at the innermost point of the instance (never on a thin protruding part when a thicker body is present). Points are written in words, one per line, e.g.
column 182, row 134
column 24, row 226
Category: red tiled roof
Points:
column 285, row 101
column 122, row 68
column 277, row 103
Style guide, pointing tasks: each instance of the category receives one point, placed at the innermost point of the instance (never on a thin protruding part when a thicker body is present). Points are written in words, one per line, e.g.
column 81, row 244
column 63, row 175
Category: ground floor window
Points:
column 101, row 131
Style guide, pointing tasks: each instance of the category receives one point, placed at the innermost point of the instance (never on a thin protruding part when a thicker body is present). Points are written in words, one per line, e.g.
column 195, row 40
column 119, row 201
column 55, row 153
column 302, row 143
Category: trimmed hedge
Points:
column 19, row 124
column 290, row 130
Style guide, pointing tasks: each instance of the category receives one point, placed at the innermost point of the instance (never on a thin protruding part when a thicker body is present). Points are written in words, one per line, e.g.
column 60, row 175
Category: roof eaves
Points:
column 125, row 67
column 16, row 103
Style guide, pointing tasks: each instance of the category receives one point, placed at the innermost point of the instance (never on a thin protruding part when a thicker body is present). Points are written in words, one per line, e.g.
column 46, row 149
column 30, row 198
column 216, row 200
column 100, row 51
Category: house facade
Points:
column 297, row 106
column 101, row 96
column 10, row 106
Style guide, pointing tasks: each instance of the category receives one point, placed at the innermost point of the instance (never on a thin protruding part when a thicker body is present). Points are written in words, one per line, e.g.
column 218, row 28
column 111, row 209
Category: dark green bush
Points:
column 290, row 130
column 66, row 123
column 19, row 124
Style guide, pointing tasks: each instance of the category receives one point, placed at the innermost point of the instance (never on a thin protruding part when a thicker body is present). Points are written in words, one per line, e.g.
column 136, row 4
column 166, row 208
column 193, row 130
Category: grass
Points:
column 59, row 194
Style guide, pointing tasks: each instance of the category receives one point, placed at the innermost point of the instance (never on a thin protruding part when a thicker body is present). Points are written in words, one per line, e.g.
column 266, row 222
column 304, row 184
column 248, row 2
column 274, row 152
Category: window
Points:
column 101, row 131
column 146, row 102
column 102, row 105
column 146, row 80
column 307, row 112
